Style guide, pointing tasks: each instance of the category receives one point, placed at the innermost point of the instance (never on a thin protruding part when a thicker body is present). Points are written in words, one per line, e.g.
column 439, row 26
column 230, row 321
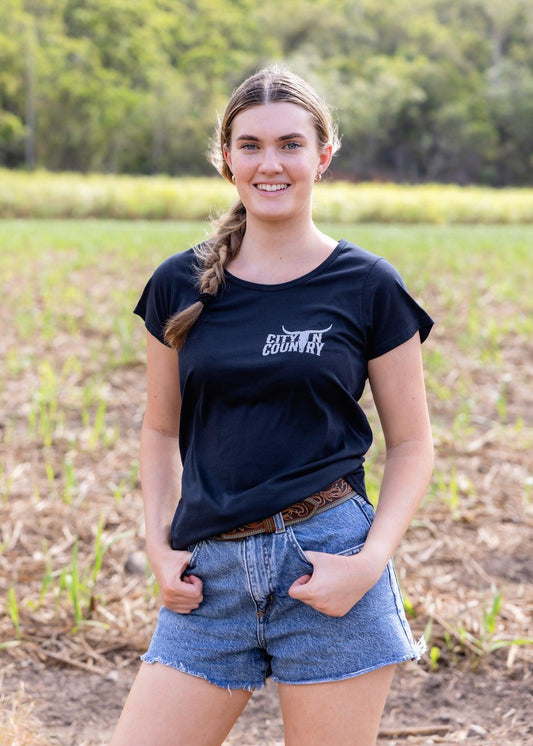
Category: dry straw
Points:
column 49, row 195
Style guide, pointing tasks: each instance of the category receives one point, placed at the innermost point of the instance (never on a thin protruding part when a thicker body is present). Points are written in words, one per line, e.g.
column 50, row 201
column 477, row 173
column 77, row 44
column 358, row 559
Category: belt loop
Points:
column 279, row 523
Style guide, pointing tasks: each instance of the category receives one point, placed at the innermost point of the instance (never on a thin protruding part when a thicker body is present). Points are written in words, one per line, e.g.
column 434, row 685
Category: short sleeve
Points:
column 170, row 289
column 391, row 315
column 153, row 307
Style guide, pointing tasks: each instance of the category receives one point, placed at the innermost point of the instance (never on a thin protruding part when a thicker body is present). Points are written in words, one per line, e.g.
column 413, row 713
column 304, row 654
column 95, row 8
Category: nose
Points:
column 270, row 162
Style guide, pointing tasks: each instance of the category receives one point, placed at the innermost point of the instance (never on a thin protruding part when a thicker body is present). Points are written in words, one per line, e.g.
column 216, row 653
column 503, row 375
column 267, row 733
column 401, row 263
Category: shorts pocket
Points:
column 195, row 551
column 341, row 530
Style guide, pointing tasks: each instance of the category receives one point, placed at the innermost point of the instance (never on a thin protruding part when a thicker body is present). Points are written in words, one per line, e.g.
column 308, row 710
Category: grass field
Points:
column 69, row 195
column 74, row 587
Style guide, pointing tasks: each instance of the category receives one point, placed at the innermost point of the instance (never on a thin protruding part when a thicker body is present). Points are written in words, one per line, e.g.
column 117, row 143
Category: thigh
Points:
column 337, row 713
column 171, row 708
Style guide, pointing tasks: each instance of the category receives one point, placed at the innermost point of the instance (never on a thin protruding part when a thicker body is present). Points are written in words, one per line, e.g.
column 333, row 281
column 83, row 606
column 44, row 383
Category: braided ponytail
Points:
column 213, row 255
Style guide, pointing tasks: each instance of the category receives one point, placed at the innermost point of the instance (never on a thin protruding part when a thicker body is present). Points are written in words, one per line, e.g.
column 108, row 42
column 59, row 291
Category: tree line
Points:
column 438, row 90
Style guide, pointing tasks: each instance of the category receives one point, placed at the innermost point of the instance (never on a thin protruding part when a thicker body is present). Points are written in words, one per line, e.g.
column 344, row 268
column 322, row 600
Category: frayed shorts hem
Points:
column 177, row 666
column 230, row 685
column 347, row 676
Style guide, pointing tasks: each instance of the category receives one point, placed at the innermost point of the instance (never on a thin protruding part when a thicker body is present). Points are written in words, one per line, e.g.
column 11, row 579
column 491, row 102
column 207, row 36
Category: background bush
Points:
column 432, row 91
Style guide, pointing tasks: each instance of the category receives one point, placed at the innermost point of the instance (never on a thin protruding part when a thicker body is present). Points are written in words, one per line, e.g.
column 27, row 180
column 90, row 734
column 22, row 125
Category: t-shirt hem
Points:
column 399, row 339
column 154, row 329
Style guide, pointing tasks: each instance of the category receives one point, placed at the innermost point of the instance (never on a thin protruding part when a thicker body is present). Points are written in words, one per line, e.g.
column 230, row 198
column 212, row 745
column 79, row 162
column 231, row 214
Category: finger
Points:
column 194, row 581
column 182, row 608
column 185, row 593
column 297, row 589
column 302, row 580
column 190, row 587
column 313, row 557
column 177, row 601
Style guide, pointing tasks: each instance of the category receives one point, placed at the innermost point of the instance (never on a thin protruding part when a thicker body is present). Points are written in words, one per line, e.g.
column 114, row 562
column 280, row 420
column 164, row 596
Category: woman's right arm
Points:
column 161, row 478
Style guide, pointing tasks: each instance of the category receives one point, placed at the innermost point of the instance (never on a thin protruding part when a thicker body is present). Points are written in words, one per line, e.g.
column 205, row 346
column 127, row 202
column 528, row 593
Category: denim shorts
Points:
column 248, row 628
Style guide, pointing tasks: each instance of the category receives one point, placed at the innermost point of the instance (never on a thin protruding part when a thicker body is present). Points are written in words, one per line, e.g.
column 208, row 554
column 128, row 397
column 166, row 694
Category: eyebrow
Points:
column 290, row 136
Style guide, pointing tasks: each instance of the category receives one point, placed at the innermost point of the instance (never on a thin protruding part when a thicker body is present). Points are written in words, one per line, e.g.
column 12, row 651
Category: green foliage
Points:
column 426, row 91
column 482, row 643
column 13, row 609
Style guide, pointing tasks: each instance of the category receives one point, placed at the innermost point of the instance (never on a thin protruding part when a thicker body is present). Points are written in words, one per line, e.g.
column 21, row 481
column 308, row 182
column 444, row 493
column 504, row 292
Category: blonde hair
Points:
column 270, row 85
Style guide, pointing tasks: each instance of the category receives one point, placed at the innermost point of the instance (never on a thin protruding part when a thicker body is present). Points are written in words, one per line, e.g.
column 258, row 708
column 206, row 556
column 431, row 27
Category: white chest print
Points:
column 306, row 340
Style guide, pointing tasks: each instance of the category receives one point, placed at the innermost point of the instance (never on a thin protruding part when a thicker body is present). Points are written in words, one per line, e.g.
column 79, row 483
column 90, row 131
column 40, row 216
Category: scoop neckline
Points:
column 266, row 287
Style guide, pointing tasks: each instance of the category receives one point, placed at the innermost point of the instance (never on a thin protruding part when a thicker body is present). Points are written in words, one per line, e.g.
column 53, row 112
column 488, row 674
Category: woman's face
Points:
column 275, row 156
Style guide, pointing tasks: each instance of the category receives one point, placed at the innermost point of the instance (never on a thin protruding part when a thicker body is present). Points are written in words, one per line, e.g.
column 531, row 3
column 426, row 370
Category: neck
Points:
column 273, row 252
column 276, row 240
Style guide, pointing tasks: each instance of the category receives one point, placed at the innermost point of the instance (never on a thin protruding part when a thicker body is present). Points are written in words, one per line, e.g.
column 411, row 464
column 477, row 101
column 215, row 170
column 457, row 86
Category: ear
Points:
column 325, row 156
column 227, row 156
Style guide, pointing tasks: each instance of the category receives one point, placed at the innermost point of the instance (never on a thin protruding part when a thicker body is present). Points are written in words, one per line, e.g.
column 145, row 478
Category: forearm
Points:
column 405, row 480
column 161, row 485
column 397, row 382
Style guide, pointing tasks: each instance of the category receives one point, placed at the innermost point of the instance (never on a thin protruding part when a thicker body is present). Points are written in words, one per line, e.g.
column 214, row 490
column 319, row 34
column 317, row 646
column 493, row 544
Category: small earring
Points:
column 233, row 178
column 318, row 176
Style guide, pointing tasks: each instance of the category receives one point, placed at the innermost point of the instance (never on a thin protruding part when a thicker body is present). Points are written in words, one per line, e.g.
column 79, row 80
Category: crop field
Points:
column 49, row 195
column 77, row 599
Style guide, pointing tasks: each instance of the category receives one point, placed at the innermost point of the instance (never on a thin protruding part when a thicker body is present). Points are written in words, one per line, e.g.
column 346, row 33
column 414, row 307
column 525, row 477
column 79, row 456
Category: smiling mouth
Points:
column 271, row 187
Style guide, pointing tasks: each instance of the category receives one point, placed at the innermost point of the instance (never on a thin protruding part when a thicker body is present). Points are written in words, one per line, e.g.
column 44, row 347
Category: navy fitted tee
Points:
column 270, row 379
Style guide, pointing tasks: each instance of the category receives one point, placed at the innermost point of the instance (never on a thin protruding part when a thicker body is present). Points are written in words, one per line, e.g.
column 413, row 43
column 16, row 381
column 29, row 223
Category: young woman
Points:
column 273, row 562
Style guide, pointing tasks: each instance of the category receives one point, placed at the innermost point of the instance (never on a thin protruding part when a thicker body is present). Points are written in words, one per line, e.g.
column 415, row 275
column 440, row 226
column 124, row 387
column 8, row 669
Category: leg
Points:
column 170, row 708
column 337, row 713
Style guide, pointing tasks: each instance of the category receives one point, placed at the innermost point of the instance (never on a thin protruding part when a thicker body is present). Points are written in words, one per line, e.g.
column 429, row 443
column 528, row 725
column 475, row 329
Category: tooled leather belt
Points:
column 337, row 492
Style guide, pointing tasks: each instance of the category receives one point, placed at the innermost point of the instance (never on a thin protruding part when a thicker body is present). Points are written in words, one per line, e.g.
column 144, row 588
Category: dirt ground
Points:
column 465, row 565
column 493, row 706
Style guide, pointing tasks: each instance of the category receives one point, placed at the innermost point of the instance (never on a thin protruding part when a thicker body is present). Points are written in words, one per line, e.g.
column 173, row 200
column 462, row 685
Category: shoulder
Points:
column 372, row 267
column 176, row 278
column 171, row 288
column 179, row 265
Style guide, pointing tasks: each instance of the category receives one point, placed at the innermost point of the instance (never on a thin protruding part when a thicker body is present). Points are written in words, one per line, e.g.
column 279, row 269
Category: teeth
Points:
column 271, row 187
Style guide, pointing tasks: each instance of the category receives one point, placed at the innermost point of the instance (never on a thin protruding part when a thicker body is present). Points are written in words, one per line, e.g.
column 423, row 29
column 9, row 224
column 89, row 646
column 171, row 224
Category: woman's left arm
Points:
column 397, row 382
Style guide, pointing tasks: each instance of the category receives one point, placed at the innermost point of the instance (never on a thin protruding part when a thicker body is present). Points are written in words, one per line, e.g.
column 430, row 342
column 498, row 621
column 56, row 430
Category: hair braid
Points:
column 213, row 255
